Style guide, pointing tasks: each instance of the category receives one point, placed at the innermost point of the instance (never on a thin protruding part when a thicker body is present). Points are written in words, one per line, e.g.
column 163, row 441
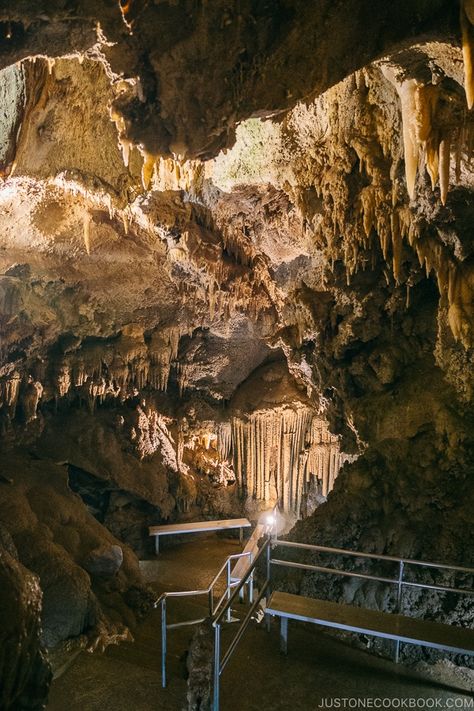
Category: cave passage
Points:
column 236, row 283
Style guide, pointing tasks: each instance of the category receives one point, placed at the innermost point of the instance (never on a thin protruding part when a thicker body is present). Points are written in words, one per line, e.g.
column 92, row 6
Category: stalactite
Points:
column 125, row 222
column 407, row 94
column 162, row 351
column 124, row 143
column 63, row 380
column 148, row 168
column 9, row 392
column 418, row 107
column 432, row 160
column 281, row 449
column 444, row 160
column 182, row 371
column 224, row 440
column 467, row 22
column 87, row 232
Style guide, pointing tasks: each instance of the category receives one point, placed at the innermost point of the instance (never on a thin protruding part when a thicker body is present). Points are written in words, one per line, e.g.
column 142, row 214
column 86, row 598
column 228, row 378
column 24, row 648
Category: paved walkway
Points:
column 318, row 670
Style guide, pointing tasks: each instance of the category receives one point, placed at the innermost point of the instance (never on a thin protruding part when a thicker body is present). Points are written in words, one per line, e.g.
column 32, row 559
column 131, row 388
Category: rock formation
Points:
column 235, row 255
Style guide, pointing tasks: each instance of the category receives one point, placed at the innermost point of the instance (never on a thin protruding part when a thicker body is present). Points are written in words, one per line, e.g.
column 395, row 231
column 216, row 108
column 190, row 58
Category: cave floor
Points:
column 318, row 670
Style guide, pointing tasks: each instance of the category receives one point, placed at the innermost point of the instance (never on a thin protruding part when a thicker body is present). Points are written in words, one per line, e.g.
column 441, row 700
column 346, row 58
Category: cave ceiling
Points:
column 127, row 236
column 181, row 204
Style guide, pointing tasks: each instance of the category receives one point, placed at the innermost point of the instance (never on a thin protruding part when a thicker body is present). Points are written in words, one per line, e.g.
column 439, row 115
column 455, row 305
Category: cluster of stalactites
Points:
column 220, row 281
column 165, row 174
column 158, row 173
column 131, row 364
column 224, row 286
column 455, row 279
column 118, row 370
column 252, row 290
column 26, row 392
column 277, row 453
column 382, row 215
column 423, row 138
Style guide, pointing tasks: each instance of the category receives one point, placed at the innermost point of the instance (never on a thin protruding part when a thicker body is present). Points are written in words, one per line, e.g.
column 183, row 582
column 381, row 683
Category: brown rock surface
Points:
column 24, row 672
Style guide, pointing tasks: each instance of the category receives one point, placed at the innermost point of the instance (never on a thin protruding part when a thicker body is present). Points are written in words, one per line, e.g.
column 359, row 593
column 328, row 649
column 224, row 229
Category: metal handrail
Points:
column 265, row 590
column 360, row 554
column 218, row 618
column 366, row 576
column 161, row 600
column 203, row 591
column 400, row 582
column 335, row 571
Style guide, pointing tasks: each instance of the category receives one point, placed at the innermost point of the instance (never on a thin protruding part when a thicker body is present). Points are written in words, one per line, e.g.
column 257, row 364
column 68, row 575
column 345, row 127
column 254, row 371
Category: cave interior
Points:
column 236, row 273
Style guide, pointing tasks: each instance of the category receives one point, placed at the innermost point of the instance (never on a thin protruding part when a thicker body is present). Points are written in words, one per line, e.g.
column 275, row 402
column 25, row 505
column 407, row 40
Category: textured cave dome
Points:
column 236, row 270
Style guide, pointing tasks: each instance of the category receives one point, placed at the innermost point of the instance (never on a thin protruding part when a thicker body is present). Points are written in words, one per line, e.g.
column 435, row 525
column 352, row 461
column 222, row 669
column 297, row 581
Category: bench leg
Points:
column 241, row 535
column 268, row 620
column 157, row 545
column 284, row 635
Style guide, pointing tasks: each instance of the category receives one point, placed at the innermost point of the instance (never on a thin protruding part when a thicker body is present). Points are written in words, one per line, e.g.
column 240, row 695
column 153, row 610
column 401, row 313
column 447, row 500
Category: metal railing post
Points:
column 269, row 557
column 251, row 581
column 229, row 591
column 211, row 602
column 401, row 567
column 163, row 642
column 217, row 665
column 268, row 570
column 242, row 591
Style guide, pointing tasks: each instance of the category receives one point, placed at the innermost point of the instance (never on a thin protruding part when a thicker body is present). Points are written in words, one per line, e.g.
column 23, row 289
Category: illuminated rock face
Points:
column 202, row 333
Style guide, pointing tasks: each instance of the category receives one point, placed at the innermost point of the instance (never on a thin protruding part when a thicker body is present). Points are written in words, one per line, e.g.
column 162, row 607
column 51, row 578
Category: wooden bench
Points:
column 370, row 622
column 196, row 527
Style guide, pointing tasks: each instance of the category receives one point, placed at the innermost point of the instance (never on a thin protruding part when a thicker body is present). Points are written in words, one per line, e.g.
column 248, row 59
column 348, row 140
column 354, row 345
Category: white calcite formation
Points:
column 277, row 453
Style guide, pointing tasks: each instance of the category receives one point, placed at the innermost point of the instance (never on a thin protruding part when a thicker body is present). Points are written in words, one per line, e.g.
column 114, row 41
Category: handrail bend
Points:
column 212, row 608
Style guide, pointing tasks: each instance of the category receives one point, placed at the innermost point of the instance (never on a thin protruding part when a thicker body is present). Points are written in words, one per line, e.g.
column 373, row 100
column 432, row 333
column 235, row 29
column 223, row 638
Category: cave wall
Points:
column 203, row 333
